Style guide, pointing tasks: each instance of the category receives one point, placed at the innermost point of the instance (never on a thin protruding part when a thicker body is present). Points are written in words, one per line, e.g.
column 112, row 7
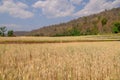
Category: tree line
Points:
column 4, row 32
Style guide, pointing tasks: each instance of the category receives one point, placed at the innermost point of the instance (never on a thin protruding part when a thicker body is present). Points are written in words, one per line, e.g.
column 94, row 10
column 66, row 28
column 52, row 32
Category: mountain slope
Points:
column 100, row 23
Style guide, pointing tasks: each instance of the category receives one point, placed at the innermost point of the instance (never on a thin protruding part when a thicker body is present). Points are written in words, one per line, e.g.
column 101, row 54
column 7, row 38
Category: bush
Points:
column 10, row 33
column 116, row 27
column 58, row 35
column 72, row 32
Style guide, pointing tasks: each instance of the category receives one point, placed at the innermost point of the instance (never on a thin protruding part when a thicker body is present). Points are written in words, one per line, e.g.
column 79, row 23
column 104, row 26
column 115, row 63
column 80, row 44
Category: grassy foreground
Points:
column 91, row 38
column 60, row 61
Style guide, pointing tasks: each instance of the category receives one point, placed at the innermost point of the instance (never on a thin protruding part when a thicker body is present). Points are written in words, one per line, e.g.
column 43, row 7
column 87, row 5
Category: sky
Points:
column 26, row 15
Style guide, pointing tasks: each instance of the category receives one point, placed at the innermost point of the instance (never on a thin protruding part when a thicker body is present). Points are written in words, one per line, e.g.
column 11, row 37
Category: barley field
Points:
column 60, row 61
column 90, row 38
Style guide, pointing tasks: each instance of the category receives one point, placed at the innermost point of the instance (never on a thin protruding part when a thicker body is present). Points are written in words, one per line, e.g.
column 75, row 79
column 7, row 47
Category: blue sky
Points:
column 32, row 14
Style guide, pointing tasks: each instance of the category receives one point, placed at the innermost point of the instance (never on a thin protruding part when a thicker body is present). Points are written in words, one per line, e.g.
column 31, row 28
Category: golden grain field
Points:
column 89, row 38
column 60, row 61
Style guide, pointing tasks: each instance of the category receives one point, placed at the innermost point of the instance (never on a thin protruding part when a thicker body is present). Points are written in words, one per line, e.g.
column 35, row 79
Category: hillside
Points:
column 101, row 23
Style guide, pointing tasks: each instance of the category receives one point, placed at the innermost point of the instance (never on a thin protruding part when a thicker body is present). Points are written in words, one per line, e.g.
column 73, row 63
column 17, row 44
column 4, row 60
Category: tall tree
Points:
column 3, row 30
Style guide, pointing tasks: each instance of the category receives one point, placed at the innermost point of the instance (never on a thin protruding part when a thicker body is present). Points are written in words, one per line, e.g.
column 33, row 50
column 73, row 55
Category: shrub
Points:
column 10, row 33
column 74, row 32
column 116, row 27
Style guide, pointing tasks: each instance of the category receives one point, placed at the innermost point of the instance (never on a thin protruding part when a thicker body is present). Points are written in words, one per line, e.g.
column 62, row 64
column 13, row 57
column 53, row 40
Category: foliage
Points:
column 104, row 21
column 0, row 33
column 3, row 30
column 116, row 27
column 10, row 33
column 72, row 32
column 59, row 34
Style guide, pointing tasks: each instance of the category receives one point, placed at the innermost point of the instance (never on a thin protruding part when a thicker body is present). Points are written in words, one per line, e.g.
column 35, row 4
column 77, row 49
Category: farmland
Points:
column 60, row 61
column 90, row 38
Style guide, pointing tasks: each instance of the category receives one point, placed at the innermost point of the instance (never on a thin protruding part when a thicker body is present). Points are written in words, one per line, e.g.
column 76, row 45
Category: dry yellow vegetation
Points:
column 60, row 61
column 115, row 37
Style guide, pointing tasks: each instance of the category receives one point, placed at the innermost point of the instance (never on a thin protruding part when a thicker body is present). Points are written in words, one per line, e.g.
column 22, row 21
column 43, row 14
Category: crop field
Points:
column 60, row 61
column 90, row 38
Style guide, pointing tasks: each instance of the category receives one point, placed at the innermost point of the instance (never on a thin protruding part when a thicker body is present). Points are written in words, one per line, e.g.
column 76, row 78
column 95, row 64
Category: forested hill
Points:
column 107, row 21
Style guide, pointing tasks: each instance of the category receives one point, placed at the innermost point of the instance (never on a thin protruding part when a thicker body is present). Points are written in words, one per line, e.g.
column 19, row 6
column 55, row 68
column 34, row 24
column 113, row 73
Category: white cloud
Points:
column 9, row 25
column 55, row 8
column 96, row 6
column 62, row 8
column 17, row 9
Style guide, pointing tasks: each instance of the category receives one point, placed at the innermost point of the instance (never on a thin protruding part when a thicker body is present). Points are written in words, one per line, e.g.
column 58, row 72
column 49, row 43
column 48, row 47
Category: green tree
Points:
column 116, row 27
column 72, row 32
column 75, row 32
column 2, row 31
column 10, row 33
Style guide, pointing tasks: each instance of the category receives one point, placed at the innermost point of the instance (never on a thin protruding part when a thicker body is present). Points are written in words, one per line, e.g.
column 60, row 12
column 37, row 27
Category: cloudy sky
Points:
column 32, row 14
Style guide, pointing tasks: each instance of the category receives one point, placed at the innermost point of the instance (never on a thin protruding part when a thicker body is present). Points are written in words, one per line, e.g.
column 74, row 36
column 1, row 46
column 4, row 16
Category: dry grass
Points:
column 59, row 39
column 60, row 61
